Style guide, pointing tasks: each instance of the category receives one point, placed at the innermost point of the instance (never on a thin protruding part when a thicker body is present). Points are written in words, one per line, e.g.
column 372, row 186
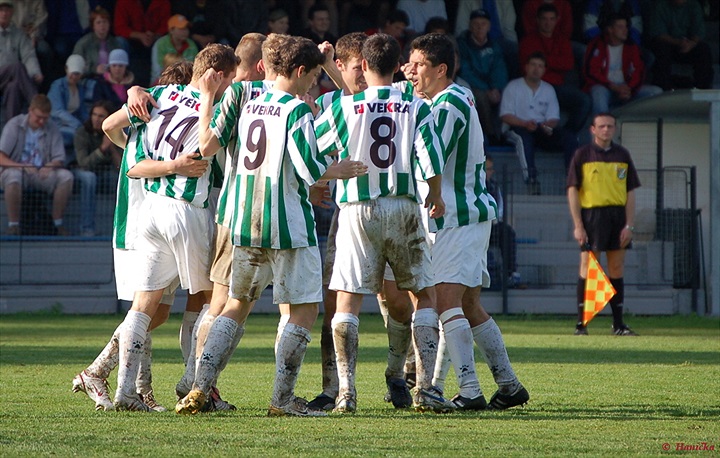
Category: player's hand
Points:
column 188, row 165
column 320, row 195
column 346, row 169
column 310, row 101
column 436, row 205
column 210, row 81
column 328, row 51
column 626, row 236
column 138, row 100
column 580, row 235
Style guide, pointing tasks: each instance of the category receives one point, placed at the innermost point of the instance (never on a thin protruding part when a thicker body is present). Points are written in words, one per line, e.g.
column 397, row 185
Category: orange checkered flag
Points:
column 598, row 289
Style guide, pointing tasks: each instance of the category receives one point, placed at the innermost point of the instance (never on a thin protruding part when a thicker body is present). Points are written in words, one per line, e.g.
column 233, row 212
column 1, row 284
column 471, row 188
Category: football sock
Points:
column 616, row 302
column 399, row 337
column 143, row 383
column 281, row 326
column 459, row 342
column 186, row 331
column 107, row 360
column 345, row 337
column 382, row 303
column 219, row 340
column 290, row 353
column 186, row 381
column 488, row 337
column 329, row 367
column 426, row 334
column 133, row 334
column 239, row 333
column 442, row 364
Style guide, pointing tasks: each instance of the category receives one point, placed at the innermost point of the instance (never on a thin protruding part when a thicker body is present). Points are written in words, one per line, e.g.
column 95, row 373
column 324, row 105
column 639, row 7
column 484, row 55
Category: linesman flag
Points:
column 598, row 289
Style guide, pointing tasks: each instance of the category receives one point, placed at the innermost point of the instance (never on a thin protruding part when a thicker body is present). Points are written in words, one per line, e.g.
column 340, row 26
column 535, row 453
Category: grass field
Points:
column 599, row 395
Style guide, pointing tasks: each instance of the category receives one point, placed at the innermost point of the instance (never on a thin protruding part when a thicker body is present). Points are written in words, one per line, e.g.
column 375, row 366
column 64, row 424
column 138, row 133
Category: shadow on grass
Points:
column 22, row 355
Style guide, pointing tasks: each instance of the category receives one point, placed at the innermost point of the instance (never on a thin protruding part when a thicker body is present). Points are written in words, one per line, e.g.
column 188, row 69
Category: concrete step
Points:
column 92, row 299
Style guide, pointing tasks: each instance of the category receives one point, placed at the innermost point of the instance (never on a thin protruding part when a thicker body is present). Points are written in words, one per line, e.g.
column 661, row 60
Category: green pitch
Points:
column 599, row 395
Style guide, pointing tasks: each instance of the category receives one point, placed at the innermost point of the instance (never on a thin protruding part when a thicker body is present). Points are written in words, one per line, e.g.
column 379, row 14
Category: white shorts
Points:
column 373, row 233
column 295, row 274
column 125, row 264
column 459, row 255
column 174, row 241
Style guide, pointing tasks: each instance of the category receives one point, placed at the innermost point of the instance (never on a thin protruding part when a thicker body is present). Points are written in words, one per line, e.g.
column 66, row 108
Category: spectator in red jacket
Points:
column 564, row 26
column 560, row 61
column 614, row 71
column 141, row 23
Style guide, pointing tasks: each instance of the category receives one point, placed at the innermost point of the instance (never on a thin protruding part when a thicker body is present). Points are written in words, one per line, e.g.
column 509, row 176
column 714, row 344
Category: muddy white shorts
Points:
column 459, row 255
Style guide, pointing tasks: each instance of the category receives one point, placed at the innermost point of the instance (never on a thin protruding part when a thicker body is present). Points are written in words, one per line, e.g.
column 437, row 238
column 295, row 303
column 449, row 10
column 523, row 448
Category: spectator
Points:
column 278, row 21
column 32, row 156
column 117, row 80
column 557, row 49
column 71, row 97
column 395, row 25
column 98, row 159
column 141, row 22
column 564, row 21
column 232, row 19
column 19, row 66
column 176, row 44
column 614, row 71
column 677, row 29
column 31, row 17
column 65, row 26
column 437, row 25
column 529, row 106
column 420, row 11
column 482, row 66
column 502, row 27
column 598, row 12
column 95, row 46
column 362, row 15
column 201, row 23
column 502, row 234
column 318, row 29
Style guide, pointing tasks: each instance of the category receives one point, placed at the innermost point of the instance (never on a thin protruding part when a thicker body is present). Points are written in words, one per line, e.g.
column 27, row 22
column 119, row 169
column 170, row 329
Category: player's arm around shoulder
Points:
column 114, row 124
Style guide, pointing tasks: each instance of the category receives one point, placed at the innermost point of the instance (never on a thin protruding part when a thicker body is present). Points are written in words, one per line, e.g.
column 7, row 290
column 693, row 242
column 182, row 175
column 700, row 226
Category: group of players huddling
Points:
column 412, row 223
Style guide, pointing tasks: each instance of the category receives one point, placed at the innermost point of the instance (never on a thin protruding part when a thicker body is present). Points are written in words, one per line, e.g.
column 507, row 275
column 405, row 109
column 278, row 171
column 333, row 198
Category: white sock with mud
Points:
column 442, row 364
column 291, row 348
column 426, row 335
column 281, row 327
column 143, row 384
column 329, row 366
column 185, row 384
column 218, row 342
column 132, row 346
column 239, row 333
column 488, row 337
column 108, row 358
column 399, row 338
column 345, row 335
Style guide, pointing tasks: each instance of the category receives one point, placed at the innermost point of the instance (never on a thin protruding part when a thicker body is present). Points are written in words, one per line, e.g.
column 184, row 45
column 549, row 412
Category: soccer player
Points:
column 273, row 226
column 251, row 79
column 174, row 241
column 379, row 219
column 465, row 228
column 93, row 380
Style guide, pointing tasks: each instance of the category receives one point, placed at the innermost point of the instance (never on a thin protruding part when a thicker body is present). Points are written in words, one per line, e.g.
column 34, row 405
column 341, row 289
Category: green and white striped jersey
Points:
column 130, row 195
column 389, row 131
column 327, row 99
column 466, row 197
column 277, row 162
column 224, row 126
column 172, row 130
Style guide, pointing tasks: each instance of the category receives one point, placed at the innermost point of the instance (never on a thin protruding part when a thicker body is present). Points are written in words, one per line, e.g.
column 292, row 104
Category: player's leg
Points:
column 459, row 344
column 143, row 383
column 193, row 308
column 489, row 339
column 284, row 319
column 399, row 332
column 133, row 334
column 345, row 325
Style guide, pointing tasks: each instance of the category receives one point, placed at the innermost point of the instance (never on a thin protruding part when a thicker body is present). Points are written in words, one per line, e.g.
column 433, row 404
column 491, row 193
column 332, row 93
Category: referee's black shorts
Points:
column 603, row 226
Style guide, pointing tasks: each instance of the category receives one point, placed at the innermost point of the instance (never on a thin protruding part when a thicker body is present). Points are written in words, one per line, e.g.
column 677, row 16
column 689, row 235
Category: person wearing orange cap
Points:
column 174, row 46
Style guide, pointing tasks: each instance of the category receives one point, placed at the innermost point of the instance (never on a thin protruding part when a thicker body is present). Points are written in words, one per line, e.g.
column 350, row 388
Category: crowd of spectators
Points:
column 596, row 54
